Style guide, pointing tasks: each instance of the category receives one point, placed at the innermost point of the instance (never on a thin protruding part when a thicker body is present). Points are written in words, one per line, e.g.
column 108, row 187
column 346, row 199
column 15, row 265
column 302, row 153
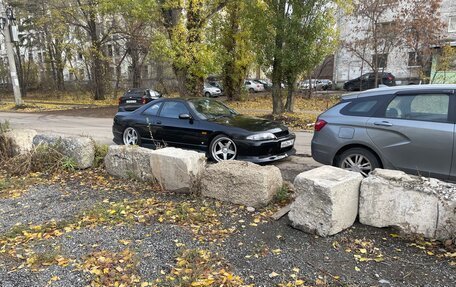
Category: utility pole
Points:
column 6, row 16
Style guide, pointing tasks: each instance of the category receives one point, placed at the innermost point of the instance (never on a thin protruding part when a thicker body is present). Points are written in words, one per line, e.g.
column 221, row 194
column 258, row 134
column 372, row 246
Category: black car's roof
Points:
column 395, row 89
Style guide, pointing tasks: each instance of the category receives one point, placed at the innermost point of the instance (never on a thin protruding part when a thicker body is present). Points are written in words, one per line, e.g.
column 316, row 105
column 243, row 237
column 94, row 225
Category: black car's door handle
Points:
column 383, row 123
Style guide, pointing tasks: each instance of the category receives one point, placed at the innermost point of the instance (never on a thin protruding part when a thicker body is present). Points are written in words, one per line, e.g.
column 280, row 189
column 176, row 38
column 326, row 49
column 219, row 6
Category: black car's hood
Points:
column 251, row 124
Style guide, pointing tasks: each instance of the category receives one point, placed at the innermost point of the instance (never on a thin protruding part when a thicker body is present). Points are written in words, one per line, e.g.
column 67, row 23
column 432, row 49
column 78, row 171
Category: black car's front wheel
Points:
column 131, row 136
column 358, row 159
column 222, row 148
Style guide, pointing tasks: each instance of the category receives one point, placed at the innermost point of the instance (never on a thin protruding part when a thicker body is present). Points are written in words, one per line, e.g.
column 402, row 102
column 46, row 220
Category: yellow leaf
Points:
column 273, row 274
column 357, row 269
column 299, row 282
column 363, row 250
column 276, row 251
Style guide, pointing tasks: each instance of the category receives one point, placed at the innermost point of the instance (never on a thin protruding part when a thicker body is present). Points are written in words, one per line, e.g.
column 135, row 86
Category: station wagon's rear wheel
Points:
column 358, row 159
column 131, row 136
column 222, row 148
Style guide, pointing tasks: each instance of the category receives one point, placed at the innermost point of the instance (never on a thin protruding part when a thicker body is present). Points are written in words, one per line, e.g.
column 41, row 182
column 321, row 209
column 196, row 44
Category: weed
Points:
column 68, row 163
column 283, row 194
column 7, row 145
column 100, row 153
column 4, row 127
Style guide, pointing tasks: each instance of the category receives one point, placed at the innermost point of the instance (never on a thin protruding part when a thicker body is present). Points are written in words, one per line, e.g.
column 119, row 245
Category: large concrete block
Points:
column 241, row 183
column 327, row 201
column 80, row 149
column 22, row 140
column 129, row 162
column 177, row 169
column 415, row 205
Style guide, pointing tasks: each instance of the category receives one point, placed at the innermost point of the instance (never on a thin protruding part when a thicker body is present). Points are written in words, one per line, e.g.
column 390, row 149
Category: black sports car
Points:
column 207, row 125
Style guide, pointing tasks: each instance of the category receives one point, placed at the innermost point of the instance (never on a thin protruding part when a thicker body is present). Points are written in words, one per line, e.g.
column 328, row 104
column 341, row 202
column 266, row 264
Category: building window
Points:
column 452, row 24
column 381, row 60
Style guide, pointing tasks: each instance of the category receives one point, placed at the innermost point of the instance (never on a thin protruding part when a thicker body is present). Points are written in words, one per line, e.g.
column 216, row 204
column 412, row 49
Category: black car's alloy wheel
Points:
column 222, row 148
column 359, row 160
column 131, row 136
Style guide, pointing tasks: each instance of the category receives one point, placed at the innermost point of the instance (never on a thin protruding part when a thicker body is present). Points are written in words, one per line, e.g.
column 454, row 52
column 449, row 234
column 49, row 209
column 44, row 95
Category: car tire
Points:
column 131, row 136
column 207, row 95
column 222, row 148
column 358, row 159
column 251, row 90
column 350, row 88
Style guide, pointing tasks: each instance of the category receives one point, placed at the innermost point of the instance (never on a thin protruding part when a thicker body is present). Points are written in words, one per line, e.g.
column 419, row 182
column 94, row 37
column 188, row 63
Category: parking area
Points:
column 77, row 122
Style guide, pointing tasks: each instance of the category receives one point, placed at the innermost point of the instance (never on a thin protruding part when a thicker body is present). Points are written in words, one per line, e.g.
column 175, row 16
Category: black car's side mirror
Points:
column 185, row 117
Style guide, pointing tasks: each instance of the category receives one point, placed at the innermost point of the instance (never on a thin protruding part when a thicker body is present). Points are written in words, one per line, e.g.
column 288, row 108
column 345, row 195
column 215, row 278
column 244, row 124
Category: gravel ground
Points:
column 262, row 251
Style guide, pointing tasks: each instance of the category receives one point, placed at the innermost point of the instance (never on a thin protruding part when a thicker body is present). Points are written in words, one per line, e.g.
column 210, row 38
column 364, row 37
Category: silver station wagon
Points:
column 409, row 128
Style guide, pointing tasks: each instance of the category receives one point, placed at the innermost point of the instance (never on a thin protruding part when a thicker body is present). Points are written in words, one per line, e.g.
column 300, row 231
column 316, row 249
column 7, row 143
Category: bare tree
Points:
column 422, row 29
column 377, row 31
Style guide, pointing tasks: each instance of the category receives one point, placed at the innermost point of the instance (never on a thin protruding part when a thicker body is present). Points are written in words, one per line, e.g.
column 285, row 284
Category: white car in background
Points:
column 210, row 91
column 253, row 87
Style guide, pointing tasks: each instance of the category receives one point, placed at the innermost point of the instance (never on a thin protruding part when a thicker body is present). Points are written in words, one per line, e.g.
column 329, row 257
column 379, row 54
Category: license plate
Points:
column 130, row 101
column 286, row 143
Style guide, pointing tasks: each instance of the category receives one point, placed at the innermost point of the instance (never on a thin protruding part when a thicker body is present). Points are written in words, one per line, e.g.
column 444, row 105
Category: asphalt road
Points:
column 100, row 130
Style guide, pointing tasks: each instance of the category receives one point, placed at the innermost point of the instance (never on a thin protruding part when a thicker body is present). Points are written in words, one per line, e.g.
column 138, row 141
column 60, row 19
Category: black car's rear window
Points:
column 361, row 108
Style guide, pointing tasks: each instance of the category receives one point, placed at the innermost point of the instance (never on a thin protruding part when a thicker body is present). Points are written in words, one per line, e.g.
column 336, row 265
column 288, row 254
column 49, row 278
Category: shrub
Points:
column 7, row 145
column 43, row 158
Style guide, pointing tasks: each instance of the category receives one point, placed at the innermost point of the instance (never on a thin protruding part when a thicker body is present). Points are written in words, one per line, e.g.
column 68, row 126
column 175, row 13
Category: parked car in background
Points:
column 306, row 85
column 253, row 87
column 211, row 91
column 367, row 81
column 207, row 125
column 409, row 128
column 135, row 98
column 266, row 84
column 217, row 84
column 326, row 84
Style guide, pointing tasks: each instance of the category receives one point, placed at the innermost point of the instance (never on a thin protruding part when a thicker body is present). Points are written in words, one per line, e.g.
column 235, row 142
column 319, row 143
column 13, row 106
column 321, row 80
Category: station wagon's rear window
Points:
column 364, row 108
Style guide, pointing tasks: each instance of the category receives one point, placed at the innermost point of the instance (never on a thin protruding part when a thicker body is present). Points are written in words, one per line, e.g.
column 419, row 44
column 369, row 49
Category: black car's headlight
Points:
column 262, row 136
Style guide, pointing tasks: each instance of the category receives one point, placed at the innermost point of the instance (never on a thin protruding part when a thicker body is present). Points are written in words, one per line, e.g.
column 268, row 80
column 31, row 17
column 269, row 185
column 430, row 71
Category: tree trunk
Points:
column 136, row 68
column 59, row 66
column 277, row 66
column 289, row 106
column 230, row 81
column 97, row 55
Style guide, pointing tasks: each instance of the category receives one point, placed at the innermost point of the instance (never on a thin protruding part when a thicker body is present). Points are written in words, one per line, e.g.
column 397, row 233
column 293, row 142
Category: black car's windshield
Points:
column 210, row 109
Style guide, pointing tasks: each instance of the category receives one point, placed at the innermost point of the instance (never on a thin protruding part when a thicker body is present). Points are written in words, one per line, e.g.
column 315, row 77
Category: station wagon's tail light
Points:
column 143, row 100
column 390, row 78
column 319, row 124
column 120, row 100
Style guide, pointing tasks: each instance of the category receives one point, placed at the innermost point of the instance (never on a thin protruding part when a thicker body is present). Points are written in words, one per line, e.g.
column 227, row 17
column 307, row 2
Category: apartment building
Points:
column 399, row 60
